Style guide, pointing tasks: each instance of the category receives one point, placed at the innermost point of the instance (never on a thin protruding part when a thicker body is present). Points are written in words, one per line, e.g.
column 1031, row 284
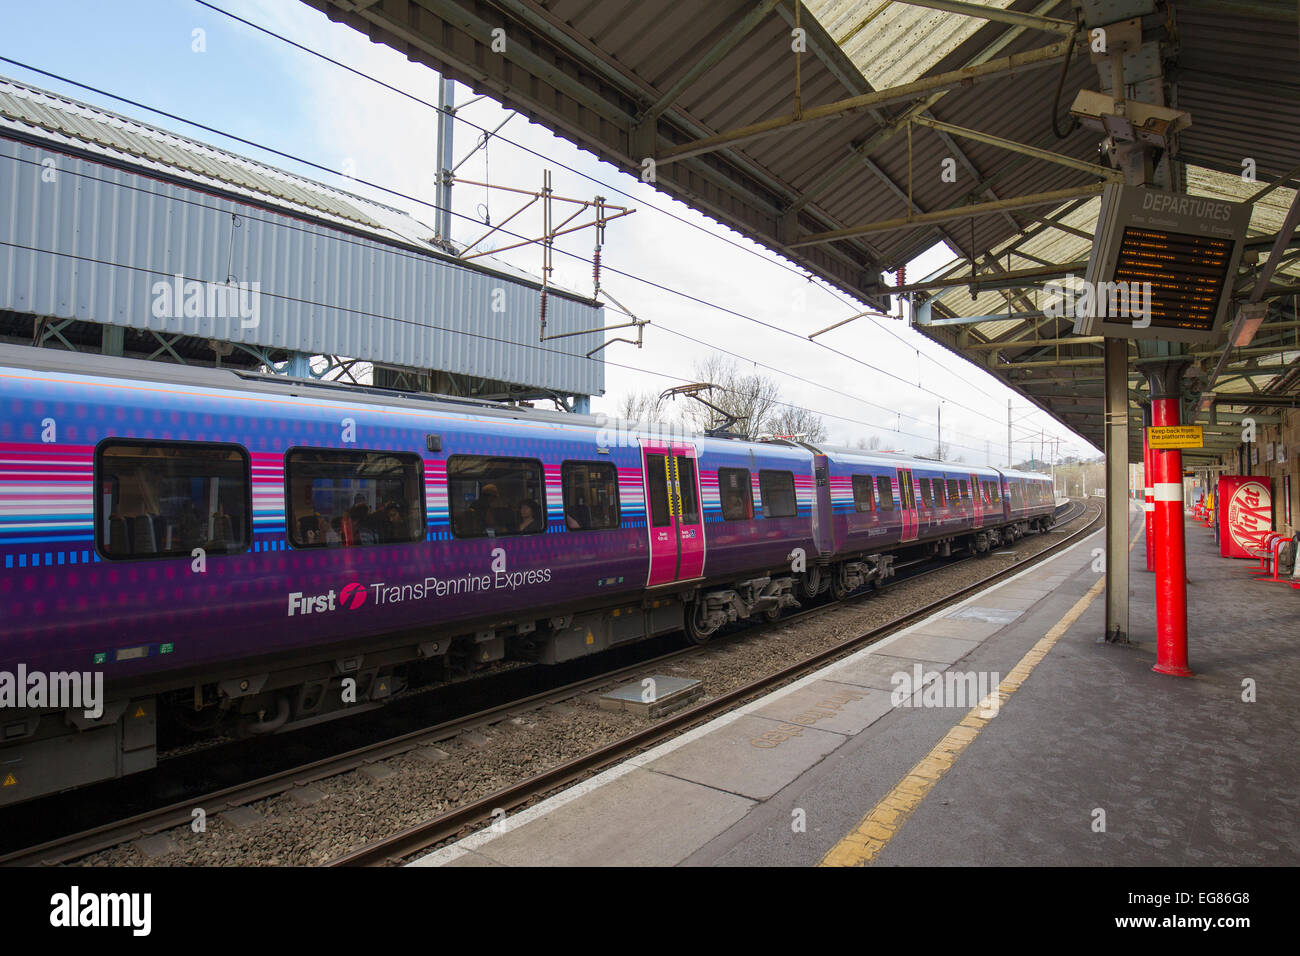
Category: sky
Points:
column 182, row 57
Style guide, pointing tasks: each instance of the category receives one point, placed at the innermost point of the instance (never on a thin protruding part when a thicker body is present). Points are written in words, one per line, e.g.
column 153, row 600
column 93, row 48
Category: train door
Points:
column 675, row 525
column 823, row 526
column 907, row 501
column 978, row 490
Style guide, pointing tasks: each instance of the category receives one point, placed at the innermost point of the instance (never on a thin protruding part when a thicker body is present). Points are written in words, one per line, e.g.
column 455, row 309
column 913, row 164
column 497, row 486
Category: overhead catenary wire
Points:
column 454, row 113
column 311, row 164
column 394, row 192
column 425, row 325
column 617, row 308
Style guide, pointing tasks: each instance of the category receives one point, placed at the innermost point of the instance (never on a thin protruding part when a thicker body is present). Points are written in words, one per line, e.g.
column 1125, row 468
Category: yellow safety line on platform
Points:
column 877, row 828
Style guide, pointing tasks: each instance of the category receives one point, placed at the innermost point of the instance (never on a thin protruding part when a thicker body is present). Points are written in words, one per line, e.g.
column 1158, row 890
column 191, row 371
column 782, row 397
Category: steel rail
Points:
column 150, row 822
column 394, row 849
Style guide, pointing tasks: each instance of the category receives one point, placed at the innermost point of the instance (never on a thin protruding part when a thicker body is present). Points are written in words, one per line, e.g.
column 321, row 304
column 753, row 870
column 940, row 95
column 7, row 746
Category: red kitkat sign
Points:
column 1245, row 514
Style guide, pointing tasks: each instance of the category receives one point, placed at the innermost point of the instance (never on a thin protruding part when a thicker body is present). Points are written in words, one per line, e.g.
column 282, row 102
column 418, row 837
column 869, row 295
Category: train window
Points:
column 495, row 497
column 656, row 472
column 864, row 497
column 737, row 494
column 777, row 488
column 163, row 499
column 590, row 495
column 925, row 493
column 954, row 493
column 885, row 493
column 938, row 493
column 686, row 483
column 965, row 489
column 347, row 499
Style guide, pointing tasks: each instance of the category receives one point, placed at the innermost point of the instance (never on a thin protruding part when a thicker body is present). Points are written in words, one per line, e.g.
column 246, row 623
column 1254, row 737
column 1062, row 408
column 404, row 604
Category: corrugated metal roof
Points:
column 894, row 43
column 95, row 243
column 38, row 109
column 30, row 110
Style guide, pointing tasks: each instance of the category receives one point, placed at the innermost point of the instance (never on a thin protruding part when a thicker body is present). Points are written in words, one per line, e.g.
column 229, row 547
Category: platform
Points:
column 1089, row 759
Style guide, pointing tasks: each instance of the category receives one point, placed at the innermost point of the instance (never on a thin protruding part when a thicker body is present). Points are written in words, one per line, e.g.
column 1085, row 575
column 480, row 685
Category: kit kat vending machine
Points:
column 1245, row 507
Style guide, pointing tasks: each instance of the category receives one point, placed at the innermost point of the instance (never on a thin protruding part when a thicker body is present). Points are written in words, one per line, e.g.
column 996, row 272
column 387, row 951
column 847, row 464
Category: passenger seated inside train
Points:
column 578, row 517
column 488, row 515
column 530, row 521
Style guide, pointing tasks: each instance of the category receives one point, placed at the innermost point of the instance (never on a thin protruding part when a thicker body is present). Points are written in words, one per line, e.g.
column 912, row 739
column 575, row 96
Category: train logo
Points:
column 353, row 595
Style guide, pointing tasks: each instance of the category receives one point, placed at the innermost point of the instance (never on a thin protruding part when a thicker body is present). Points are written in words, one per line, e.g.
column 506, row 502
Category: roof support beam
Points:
column 887, row 131
column 1014, row 65
column 1035, row 343
column 922, row 320
column 1105, row 172
column 833, row 57
column 1007, row 280
column 1044, row 222
column 1289, row 225
column 947, row 215
column 1028, row 20
column 1069, row 230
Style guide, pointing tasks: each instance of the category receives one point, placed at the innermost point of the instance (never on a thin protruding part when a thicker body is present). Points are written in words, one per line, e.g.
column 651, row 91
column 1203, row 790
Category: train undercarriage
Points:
column 53, row 751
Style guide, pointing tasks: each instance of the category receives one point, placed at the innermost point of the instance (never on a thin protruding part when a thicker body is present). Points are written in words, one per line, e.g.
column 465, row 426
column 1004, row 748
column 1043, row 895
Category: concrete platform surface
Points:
column 1086, row 757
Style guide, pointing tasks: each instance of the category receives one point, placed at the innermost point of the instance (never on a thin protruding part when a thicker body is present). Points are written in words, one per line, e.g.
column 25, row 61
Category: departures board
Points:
column 1161, row 265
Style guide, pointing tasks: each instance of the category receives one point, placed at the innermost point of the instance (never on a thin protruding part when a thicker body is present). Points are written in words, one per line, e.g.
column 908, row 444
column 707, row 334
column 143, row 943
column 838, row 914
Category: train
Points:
column 210, row 546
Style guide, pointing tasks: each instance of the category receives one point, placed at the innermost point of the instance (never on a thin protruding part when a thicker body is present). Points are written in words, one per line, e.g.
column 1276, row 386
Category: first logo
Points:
column 353, row 595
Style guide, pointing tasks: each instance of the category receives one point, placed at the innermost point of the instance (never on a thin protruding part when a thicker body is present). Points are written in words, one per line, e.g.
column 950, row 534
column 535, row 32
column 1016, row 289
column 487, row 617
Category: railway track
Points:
column 413, row 840
column 400, row 846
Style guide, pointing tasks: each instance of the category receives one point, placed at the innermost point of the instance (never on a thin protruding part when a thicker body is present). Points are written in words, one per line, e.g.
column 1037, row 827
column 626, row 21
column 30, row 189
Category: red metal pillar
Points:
column 1170, row 550
column 1148, row 499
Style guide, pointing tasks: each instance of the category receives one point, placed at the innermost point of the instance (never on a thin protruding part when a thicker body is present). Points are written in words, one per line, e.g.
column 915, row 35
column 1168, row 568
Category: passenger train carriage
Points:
column 220, row 544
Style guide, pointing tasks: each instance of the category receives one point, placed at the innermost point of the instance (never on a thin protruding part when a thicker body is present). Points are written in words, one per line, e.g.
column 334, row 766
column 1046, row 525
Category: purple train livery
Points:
column 209, row 544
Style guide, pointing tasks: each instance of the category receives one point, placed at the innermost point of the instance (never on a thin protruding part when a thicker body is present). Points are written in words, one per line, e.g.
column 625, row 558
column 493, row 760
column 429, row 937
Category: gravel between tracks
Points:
column 346, row 811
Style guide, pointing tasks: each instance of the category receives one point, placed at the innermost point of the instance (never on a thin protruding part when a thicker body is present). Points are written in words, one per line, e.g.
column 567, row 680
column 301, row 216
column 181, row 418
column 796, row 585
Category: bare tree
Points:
column 643, row 407
column 795, row 422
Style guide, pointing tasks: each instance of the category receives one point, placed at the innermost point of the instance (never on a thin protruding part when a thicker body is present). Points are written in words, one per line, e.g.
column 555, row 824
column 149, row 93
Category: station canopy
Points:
column 852, row 135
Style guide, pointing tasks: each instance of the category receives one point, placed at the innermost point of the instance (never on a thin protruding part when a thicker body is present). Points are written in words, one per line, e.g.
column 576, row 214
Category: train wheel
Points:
column 838, row 591
column 772, row 615
column 696, row 630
